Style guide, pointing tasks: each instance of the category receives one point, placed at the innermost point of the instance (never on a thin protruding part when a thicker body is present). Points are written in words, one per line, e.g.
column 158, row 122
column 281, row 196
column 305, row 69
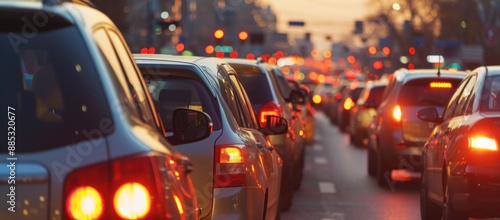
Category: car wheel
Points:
column 372, row 162
column 383, row 173
column 449, row 213
column 428, row 209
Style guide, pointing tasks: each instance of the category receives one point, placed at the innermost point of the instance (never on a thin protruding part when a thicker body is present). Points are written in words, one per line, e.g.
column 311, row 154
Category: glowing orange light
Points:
column 272, row 61
column 351, row 59
column 243, row 35
column 327, row 54
column 378, row 65
column 386, row 51
column 179, row 47
column 440, row 85
column 218, row 34
column 209, row 49
column 314, row 53
column 372, row 50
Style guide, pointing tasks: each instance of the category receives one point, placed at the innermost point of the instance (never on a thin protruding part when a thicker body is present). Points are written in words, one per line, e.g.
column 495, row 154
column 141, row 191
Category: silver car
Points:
column 237, row 172
column 84, row 141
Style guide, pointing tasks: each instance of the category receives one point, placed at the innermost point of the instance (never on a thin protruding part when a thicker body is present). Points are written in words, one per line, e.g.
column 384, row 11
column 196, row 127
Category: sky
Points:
column 334, row 18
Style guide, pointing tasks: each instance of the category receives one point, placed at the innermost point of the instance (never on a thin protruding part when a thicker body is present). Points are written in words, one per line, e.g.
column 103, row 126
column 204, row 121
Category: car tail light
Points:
column 483, row 143
column 132, row 201
column 230, row 166
column 338, row 96
column 440, row 85
column 316, row 99
column 269, row 109
column 85, row 202
column 396, row 114
column 348, row 103
column 129, row 188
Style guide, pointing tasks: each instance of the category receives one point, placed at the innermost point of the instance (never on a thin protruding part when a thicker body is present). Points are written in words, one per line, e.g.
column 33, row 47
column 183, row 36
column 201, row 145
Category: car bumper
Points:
column 476, row 193
column 399, row 154
column 237, row 203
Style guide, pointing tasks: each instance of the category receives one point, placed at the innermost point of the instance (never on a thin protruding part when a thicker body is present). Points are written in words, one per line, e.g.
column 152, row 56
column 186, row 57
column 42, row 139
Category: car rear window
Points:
column 429, row 91
column 255, row 83
column 51, row 85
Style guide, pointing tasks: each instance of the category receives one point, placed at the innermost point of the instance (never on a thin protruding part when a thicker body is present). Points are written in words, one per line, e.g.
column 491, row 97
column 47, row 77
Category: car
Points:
column 321, row 95
column 363, row 111
column 335, row 98
column 461, row 156
column 349, row 98
column 84, row 139
column 307, row 110
column 266, row 99
column 237, row 172
column 399, row 134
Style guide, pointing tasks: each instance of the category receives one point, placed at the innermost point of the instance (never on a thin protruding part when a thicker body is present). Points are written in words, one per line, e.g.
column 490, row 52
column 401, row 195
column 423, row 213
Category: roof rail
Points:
column 260, row 60
column 58, row 2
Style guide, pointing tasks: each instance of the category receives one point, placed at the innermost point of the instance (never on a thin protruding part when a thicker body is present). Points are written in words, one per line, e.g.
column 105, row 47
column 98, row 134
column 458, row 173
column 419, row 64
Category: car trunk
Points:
column 203, row 169
column 420, row 93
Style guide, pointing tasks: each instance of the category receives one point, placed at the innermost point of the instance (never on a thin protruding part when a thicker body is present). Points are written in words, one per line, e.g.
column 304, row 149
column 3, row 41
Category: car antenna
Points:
column 439, row 66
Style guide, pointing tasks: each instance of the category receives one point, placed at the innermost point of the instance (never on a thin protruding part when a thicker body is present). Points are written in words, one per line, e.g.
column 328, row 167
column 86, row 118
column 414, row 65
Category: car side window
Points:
column 229, row 96
column 450, row 108
column 131, row 73
column 113, row 64
column 246, row 106
column 464, row 97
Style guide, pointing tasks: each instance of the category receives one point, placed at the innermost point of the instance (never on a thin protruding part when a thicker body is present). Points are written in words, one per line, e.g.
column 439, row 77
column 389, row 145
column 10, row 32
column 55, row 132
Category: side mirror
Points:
column 190, row 125
column 275, row 125
column 305, row 90
column 429, row 114
column 297, row 97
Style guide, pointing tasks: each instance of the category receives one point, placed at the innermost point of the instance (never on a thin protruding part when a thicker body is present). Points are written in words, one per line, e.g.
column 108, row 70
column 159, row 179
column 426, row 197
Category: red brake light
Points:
column 483, row 143
column 338, row 96
column 132, row 187
column 230, row 166
column 440, row 85
column 269, row 109
column 396, row 114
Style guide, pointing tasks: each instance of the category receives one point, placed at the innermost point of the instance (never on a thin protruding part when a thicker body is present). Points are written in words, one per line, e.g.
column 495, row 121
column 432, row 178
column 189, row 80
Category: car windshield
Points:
column 428, row 91
column 52, row 87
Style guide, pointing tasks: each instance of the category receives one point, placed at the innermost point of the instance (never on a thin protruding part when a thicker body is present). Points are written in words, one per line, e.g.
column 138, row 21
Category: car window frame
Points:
column 452, row 103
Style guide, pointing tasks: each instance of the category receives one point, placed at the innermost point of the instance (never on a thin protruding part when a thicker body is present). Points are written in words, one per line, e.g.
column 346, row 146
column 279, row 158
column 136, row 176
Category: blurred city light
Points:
column 372, row 50
column 209, row 49
column 218, row 34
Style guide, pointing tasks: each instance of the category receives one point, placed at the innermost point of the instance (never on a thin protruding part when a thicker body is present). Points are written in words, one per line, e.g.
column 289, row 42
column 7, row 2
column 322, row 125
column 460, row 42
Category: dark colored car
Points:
column 362, row 113
column 84, row 139
column 461, row 158
column 399, row 134
column 335, row 99
column 349, row 98
column 267, row 99
column 237, row 172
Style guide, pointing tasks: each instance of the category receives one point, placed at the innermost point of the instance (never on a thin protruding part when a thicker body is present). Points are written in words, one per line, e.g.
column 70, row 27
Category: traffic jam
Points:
column 189, row 110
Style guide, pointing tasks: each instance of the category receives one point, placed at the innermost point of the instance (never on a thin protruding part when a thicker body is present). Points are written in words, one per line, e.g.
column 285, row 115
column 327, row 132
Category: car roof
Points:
column 405, row 75
column 210, row 62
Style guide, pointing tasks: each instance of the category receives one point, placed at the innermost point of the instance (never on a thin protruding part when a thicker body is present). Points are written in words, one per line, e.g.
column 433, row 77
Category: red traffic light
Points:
column 378, row 65
column 412, row 50
column 179, row 47
column 233, row 54
column 218, row 34
column 243, row 35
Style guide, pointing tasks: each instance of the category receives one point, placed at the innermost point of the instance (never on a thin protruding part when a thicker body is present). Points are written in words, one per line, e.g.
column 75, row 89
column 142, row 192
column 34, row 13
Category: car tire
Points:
column 428, row 209
column 383, row 173
column 356, row 139
column 449, row 213
column 372, row 162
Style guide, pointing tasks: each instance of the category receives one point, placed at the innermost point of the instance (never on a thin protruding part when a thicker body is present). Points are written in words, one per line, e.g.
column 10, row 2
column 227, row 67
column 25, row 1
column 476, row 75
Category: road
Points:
column 336, row 185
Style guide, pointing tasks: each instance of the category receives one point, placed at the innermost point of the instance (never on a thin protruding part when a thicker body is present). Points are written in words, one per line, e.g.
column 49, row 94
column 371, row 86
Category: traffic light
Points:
column 372, row 50
column 386, row 51
column 243, row 36
column 179, row 47
column 218, row 35
column 412, row 50
column 209, row 49
column 378, row 65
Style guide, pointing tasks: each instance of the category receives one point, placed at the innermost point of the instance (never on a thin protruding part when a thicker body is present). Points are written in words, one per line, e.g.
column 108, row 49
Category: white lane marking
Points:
column 326, row 187
column 320, row 160
column 318, row 147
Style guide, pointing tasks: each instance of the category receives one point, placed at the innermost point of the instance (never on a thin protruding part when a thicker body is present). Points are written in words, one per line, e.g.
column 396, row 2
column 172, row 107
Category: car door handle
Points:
column 187, row 164
column 259, row 145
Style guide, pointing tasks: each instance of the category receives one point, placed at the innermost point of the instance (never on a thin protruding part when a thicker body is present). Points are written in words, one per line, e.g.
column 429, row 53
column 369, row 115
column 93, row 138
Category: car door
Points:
column 435, row 148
